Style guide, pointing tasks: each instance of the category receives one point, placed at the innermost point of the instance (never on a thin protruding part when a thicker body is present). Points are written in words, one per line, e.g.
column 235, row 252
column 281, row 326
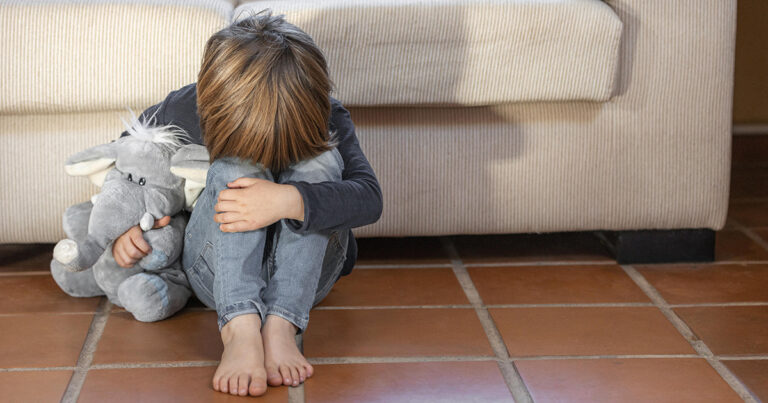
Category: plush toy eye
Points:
column 130, row 178
column 142, row 181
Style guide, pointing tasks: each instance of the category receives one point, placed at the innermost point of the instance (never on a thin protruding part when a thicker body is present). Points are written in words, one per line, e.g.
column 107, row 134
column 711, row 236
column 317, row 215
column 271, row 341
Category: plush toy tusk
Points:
column 94, row 197
column 147, row 222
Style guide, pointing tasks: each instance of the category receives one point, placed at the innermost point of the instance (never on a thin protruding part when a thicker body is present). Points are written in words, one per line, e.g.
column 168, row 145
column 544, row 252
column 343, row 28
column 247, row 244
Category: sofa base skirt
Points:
column 660, row 246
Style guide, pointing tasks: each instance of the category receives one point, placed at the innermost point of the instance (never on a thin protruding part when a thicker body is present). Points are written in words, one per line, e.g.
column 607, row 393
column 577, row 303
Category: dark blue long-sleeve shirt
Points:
column 353, row 202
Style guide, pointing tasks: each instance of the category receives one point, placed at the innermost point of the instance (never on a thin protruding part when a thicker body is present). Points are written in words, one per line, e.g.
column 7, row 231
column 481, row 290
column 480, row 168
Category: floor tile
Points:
column 162, row 385
column 39, row 293
column 422, row 286
column 731, row 245
column 34, row 386
column 395, row 332
column 708, row 283
column 548, row 247
column 588, row 331
column 749, row 213
column 186, row 336
column 42, row 340
column 749, row 182
column 753, row 373
column 625, row 380
column 555, row 284
column 750, row 151
column 408, row 382
column 25, row 257
column 729, row 330
column 409, row 250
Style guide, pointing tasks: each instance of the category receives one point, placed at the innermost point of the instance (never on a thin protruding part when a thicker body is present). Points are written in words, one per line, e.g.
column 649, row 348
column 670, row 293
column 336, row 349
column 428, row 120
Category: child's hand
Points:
column 252, row 203
column 130, row 247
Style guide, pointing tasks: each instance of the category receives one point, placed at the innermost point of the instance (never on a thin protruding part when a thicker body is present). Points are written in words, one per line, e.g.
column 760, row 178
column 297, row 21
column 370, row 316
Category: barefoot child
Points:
column 270, row 233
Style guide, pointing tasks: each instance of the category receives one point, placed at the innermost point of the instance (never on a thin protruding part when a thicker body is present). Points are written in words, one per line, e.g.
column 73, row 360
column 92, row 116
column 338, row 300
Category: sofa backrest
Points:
column 101, row 55
column 465, row 52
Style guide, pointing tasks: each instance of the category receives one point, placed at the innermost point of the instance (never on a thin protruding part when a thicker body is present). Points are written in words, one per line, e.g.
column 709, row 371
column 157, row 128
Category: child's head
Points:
column 263, row 93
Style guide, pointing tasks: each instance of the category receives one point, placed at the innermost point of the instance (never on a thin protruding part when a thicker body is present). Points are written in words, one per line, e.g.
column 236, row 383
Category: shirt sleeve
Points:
column 353, row 202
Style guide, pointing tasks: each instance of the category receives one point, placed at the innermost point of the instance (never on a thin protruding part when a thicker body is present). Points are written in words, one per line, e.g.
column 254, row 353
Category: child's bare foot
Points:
column 285, row 364
column 241, row 370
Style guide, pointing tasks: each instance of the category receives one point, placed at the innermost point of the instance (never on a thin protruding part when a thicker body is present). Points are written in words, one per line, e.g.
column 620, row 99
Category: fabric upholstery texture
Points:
column 656, row 155
column 89, row 56
column 460, row 52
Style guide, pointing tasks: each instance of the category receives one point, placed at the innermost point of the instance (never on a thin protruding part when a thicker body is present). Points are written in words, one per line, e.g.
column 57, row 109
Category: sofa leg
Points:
column 660, row 246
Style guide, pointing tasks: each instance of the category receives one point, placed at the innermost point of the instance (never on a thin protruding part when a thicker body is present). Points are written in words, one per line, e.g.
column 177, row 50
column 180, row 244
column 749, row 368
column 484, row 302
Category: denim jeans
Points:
column 269, row 271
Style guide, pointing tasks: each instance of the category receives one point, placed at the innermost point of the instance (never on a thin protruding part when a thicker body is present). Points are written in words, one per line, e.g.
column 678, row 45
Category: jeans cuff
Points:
column 241, row 308
column 300, row 323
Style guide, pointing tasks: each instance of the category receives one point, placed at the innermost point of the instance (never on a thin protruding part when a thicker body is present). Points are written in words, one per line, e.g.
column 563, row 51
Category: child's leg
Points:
column 224, row 268
column 225, row 271
column 293, row 288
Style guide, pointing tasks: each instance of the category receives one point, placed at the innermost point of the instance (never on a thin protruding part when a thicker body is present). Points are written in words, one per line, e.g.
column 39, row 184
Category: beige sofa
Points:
column 494, row 116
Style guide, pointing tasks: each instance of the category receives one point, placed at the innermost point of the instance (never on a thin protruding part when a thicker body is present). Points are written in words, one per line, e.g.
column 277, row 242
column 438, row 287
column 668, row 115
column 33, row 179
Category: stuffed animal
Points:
column 137, row 187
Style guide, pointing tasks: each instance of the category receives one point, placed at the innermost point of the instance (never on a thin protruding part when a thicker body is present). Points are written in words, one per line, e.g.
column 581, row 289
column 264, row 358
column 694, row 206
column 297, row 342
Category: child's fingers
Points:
column 226, row 218
column 224, row 206
column 162, row 222
column 242, row 182
column 138, row 241
column 238, row 226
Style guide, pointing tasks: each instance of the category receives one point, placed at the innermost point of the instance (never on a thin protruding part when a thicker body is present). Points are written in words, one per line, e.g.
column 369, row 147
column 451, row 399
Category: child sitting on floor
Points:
column 270, row 233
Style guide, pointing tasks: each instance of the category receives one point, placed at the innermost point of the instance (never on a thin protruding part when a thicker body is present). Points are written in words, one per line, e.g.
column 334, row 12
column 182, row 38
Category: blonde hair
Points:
column 263, row 93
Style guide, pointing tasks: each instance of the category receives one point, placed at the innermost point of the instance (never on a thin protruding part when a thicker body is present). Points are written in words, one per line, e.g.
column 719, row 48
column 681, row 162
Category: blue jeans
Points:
column 269, row 271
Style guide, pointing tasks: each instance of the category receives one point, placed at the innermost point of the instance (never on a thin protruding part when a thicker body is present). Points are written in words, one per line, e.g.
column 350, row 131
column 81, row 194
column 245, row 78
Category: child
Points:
column 270, row 233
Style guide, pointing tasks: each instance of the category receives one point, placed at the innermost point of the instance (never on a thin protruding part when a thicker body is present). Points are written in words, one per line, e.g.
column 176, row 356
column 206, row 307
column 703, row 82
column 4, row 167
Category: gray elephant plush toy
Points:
column 137, row 187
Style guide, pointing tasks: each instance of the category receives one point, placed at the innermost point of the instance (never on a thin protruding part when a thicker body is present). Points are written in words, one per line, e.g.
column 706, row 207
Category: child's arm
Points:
column 353, row 202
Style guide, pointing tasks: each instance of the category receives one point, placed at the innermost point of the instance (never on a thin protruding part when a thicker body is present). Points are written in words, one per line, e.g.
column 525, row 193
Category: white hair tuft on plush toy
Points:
column 143, row 130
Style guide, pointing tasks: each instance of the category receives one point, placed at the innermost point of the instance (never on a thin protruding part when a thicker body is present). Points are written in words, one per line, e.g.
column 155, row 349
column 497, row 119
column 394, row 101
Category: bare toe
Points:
column 242, row 384
column 294, row 376
column 286, row 373
column 233, row 384
column 273, row 376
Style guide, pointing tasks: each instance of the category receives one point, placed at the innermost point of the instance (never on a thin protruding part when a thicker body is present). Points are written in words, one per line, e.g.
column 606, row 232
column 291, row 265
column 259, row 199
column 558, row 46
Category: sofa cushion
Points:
column 103, row 54
column 465, row 52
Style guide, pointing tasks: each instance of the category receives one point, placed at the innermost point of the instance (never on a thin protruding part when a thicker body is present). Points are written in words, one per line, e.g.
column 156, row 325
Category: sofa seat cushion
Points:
column 101, row 54
column 464, row 52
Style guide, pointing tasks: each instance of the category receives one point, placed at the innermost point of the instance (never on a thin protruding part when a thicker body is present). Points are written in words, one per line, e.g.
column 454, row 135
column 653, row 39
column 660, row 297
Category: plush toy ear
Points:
column 94, row 162
column 191, row 162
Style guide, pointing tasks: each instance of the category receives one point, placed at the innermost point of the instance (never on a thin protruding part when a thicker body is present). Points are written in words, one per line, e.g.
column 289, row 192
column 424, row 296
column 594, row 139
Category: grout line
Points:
column 715, row 304
column 554, row 305
column 507, row 368
column 296, row 393
column 176, row 364
column 45, row 313
column 701, row 348
column 395, row 360
column 335, row 308
column 601, row 357
column 581, row 305
column 741, row 357
column 25, row 273
column 403, row 266
column 86, row 354
column 545, row 263
column 37, row 369
column 750, row 234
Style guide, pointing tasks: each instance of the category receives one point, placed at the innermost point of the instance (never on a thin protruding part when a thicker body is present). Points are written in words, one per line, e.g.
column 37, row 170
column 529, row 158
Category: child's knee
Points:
column 227, row 169
column 326, row 167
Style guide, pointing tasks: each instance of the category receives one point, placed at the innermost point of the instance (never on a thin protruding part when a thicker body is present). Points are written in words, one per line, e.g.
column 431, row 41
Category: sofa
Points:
column 478, row 116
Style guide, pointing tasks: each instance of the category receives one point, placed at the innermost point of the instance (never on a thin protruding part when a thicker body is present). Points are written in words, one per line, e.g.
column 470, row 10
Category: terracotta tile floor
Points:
column 544, row 318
